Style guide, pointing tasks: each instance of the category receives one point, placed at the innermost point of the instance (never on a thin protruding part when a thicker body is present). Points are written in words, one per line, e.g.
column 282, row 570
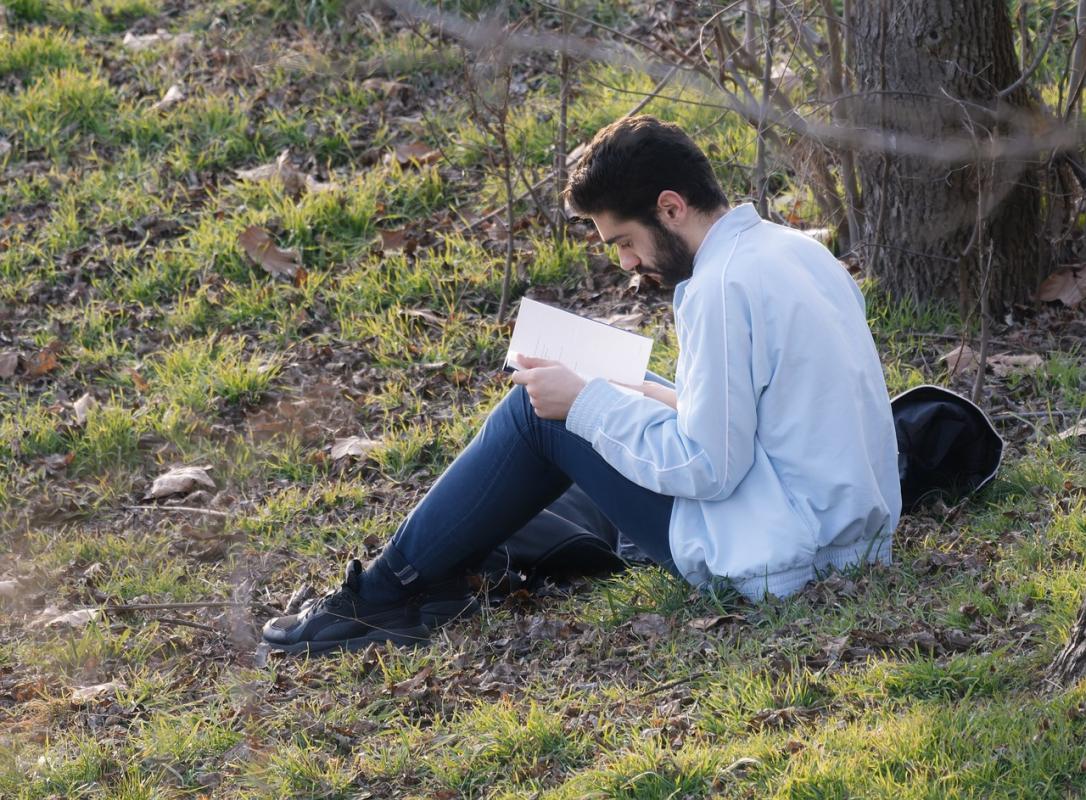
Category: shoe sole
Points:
column 403, row 637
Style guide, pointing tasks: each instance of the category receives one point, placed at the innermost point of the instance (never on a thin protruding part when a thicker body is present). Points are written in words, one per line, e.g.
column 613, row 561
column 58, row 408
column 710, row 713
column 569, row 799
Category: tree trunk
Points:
column 934, row 69
column 1070, row 665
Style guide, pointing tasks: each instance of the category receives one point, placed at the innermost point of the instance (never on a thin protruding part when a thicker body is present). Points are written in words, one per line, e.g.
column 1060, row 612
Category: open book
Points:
column 590, row 348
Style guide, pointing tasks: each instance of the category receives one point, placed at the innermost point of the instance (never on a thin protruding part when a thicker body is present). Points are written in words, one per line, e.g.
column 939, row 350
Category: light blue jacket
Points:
column 782, row 455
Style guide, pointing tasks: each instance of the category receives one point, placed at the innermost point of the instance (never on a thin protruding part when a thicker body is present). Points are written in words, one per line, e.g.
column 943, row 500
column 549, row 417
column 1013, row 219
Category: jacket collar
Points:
column 726, row 228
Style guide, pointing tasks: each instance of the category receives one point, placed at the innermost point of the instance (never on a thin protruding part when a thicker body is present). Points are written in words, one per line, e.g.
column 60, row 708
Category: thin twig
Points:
column 649, row 96
column 208, row 511
column 761, row 182
column 1028, row 73
column 663, row 687
column 116, row 609
column 186, row 623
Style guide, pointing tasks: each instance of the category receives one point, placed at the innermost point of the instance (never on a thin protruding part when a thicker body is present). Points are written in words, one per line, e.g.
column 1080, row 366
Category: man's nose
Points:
column 628, row 261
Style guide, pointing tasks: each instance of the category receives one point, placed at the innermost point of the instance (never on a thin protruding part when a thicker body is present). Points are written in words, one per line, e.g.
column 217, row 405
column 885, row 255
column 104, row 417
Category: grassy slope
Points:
column 119, row 255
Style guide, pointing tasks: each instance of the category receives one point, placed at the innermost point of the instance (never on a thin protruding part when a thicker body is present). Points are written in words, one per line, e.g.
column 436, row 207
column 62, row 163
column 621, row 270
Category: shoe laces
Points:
column 340, row 602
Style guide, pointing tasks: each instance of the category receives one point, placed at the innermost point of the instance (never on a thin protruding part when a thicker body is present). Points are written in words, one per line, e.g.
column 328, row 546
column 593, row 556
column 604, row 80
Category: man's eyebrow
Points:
column 615, row 238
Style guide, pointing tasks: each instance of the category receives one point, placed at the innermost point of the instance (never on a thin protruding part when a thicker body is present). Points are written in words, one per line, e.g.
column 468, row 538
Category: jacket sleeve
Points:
column 705, row 448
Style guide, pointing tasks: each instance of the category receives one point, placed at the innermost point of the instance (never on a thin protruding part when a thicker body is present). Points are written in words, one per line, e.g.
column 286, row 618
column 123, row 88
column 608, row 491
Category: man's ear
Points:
column 671, row 207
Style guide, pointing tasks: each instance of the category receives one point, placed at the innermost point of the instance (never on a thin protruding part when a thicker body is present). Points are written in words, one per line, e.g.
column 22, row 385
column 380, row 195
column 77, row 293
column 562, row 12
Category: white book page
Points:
column 591, row 349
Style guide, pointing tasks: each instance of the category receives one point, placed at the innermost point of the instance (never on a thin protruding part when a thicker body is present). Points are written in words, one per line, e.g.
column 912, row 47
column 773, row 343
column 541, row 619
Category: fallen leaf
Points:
column 9, row 590
column 414, row 685
column 83, row 406
column 137, row 380
column 260, row 247
column 42, row 363
column 314, row 186
column 264, row 172
column 1004, row 364
column 357, row 446
column 1076, row 431
column 58, row 462
column 1067, row 286
column 180, row 480
column 139, row 42
column 386, row 87
column 415, row 153
column 960, row 359
column 293, row 180
column 393, row 240
column 650, row 626
column 94, row 571
column 5, row 147
column 9, row 362
column 426, row 314
column 87, row 694
column 629, row 322
column 52, row 617
column 708, row 623
column 173, row 96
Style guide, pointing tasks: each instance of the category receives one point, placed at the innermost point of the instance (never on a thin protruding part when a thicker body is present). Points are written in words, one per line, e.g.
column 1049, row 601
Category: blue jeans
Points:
column 512, row 470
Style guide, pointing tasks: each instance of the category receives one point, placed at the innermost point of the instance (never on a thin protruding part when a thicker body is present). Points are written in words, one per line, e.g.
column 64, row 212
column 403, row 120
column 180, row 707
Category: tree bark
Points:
column 935, row 68
column 1070, row 665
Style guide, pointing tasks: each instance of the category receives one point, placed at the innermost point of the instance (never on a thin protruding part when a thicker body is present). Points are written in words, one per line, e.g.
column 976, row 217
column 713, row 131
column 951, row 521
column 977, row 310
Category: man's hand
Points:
column 552, row 387
column 657, row 391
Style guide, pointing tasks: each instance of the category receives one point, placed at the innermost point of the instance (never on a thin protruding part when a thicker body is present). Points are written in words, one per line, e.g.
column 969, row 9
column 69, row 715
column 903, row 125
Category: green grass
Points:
column 119, row 251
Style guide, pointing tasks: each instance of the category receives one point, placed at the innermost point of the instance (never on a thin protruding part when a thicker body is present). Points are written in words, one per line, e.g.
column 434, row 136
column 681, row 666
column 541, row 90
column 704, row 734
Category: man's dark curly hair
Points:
column 631, row 161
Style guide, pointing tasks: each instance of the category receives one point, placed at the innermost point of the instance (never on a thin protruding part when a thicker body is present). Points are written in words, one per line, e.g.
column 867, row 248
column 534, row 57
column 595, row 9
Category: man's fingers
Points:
column 521, row 376
column 530, row 362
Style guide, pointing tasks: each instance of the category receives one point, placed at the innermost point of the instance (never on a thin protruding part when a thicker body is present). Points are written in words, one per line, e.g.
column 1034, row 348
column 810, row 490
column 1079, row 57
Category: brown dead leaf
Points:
column 259, row 246
column 173, row 96
column 82, row 407
column 137, row 380
column 1068, row 286
column 650, row 626
column 960, row 359
column 386, row 87
column 1004, row 364
column 99, row 691
column 357, row 446
column 393, row 240
column 42, row 363
column 413, row 686
column 180, row 480
column 418, row 153
column 9, row 362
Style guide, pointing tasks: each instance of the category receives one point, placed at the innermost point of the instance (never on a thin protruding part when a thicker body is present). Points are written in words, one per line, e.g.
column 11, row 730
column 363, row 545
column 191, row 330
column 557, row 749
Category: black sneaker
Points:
column 342, row 620
column 446, row 601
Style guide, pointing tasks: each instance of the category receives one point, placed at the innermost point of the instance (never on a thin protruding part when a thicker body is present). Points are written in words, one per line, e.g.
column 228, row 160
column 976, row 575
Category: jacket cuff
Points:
column 586, row 414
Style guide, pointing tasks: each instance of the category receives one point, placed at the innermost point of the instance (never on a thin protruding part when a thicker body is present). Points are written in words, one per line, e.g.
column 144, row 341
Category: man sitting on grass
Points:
column 772, row 459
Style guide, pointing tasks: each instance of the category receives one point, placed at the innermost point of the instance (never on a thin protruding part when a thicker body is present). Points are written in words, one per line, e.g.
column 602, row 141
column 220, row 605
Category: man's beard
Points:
column 673, row 262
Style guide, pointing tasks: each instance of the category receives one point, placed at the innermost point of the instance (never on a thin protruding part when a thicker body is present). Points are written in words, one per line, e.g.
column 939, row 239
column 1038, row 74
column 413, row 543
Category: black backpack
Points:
column 947, row 448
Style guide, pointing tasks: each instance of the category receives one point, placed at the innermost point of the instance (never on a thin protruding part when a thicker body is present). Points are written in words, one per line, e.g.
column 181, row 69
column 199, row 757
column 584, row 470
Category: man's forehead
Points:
column 610, row 227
